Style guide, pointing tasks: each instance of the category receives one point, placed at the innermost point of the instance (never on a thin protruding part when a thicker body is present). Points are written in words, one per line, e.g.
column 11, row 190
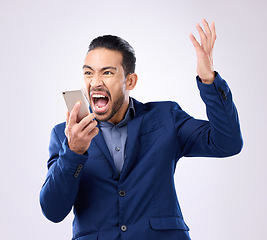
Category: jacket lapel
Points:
column 132, row 135
column 133, row 130
column 100, row 142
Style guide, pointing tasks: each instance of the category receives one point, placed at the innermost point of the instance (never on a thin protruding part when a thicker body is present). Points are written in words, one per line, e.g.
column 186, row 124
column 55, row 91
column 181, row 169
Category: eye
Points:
column 108, row 73
column 87, row 73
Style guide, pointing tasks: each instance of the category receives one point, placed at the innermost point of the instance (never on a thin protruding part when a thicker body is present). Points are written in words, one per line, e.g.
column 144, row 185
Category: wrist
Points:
column 209, row 78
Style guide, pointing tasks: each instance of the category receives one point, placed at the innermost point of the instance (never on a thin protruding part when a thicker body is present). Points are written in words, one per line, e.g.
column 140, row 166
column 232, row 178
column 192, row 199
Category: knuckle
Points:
column 92, row 116
column 94, row 132
column 94, row 123
column 75, row 133
column 68, row 129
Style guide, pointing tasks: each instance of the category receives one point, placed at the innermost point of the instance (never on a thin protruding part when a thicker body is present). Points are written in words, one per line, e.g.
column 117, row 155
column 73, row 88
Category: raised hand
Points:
column 204, row 51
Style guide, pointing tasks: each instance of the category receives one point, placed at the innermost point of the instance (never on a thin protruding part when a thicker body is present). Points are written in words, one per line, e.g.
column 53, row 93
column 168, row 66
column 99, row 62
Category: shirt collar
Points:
column 130, row 113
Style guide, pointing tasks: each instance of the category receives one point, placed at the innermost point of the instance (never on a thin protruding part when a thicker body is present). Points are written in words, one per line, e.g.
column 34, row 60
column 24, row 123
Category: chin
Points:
column 102, row 117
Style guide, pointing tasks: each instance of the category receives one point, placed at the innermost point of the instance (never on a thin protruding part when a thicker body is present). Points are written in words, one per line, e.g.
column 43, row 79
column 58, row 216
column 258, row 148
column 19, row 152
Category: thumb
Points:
column 67, row 117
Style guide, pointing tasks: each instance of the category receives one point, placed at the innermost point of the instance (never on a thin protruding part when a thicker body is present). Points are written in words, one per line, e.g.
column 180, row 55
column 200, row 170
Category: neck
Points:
column 120, row 113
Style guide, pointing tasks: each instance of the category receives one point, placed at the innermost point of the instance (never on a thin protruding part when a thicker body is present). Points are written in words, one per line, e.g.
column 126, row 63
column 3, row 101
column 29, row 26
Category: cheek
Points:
column 86, row 81
column 86, row 88
column 117, row 90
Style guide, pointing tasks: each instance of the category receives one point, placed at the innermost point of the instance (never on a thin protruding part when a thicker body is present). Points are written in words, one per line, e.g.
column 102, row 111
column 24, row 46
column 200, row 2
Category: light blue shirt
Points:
column 115, row 136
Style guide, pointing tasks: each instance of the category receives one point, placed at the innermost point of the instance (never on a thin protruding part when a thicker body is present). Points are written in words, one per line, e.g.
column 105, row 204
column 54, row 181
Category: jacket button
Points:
column 222, row 93
column 122, row 193
column 78, row 170
column 80, row 166
column 123, row 228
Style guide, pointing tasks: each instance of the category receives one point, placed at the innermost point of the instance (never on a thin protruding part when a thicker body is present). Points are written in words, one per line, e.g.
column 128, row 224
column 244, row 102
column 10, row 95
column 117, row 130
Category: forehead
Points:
column 102, row 57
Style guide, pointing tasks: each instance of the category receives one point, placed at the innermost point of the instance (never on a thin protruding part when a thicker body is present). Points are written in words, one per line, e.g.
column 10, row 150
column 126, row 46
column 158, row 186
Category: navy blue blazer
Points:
column 141, row 203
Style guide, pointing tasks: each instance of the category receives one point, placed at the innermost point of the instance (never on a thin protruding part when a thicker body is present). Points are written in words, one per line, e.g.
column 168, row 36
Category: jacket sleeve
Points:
column 218, row 137
column 60, row 189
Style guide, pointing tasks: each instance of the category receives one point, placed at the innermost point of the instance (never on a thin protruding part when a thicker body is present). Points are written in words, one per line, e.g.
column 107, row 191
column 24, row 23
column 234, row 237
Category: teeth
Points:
column 100, row 107
column 98, row 96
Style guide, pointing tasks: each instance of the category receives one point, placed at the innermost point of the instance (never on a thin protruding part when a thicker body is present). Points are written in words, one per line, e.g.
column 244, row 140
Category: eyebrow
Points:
column 86, row 66
column 102, row 69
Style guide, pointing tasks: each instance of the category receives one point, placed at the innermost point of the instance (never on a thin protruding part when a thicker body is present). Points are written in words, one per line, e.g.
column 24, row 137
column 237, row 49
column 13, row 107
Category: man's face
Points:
column 105, row 82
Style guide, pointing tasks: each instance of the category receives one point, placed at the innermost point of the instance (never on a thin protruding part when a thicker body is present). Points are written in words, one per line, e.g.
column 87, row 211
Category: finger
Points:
column 67, row 123
column 90, row 127
column 202, row 35
column 74, row 113
column 214, row 35
column 67, row 117
column 93, row 133
column 194, row 42
column 89, row 118
column 88, row 131
column 86, row 121
column 208, row 32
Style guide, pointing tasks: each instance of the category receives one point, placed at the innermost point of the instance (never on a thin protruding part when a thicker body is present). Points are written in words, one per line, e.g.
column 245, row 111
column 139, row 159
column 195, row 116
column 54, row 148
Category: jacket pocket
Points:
column 168, row 223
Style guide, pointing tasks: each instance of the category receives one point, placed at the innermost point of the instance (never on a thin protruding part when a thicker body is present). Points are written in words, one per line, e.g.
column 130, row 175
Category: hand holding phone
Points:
column 81, row 127
column 74, row 96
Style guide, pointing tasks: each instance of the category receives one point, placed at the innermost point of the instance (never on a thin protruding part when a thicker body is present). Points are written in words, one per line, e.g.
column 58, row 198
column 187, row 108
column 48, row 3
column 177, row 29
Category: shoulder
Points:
column 158, row 106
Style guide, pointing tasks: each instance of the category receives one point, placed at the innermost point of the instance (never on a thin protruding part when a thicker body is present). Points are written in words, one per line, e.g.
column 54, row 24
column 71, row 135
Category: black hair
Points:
column 118, row 44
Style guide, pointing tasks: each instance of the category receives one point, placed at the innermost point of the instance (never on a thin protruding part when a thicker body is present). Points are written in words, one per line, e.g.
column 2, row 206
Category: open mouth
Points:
column 100, row 101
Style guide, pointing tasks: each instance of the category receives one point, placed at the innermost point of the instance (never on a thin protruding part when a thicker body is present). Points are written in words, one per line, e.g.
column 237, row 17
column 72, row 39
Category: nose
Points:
column 96, row 82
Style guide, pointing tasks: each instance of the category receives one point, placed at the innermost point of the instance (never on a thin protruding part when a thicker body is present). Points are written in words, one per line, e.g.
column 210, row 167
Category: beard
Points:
column 115, row 107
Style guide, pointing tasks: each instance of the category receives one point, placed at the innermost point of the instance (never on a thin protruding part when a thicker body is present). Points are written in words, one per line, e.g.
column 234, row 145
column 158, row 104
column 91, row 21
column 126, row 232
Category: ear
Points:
column 131, row 81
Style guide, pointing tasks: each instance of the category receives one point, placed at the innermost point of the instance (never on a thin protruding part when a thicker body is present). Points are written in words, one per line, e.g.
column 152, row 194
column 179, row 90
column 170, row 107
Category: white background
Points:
column 42, row 47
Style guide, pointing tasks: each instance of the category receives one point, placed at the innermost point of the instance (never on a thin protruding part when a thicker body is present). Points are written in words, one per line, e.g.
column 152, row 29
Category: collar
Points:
column 130, row 113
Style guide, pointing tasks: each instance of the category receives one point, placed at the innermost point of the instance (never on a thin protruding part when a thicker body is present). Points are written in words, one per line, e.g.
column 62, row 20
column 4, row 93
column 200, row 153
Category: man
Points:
column 116, row 166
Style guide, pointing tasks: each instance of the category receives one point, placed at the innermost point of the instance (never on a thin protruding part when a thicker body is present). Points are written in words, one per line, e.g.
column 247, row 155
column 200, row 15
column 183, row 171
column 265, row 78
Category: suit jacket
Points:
column 141, row 203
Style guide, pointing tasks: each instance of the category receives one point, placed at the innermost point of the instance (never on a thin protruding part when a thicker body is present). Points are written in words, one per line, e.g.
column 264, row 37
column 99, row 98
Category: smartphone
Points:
column 72, row 97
